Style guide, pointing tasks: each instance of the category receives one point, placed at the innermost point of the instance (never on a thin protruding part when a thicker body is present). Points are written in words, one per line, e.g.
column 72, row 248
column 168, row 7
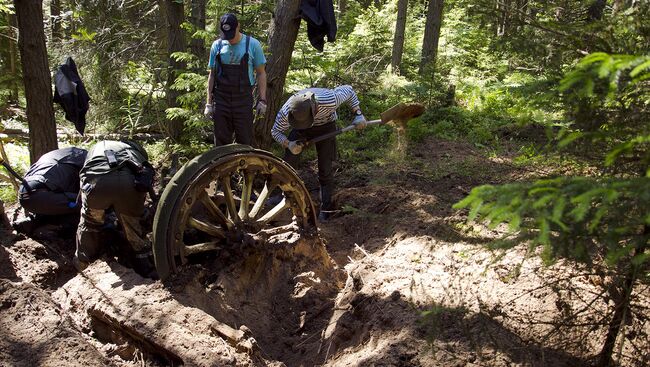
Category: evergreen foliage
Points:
column 580, row 216
column 601, row 220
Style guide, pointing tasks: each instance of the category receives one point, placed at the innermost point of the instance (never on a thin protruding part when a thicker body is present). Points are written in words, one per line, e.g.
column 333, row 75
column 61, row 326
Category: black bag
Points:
column 143, row 175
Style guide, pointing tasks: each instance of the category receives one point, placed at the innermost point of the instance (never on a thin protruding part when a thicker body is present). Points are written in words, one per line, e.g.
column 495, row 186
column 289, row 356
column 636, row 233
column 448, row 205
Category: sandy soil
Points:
column 396, row 278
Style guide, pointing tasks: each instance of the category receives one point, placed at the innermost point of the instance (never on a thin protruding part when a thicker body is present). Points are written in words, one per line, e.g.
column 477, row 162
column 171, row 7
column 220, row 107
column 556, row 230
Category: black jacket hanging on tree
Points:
column 70, row 93
column 319, row 15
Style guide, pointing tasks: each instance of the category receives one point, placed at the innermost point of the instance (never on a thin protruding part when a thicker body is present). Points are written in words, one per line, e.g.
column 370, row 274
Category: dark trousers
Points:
column 326, row 152
column 233, row 112
column 48, row 202
column 115, row 189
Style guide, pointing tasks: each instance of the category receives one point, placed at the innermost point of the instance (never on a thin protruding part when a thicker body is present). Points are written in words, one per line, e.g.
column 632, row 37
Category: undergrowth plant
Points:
column 603, row 220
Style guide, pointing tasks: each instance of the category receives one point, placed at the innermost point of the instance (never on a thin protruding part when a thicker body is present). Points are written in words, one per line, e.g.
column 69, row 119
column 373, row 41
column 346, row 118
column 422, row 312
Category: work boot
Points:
column 143, row 264
column 326, row 205
column 324, row 216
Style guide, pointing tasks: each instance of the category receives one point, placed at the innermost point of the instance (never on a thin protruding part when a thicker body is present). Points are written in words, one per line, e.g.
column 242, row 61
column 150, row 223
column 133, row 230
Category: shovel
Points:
column 399, row 114
column 13, row 173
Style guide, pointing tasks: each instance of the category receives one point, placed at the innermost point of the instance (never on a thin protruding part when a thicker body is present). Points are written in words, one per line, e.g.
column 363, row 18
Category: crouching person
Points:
column 115, row 175
column 50, row 188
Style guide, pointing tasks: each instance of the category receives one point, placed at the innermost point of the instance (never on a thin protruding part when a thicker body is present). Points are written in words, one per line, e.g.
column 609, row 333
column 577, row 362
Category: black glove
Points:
column 144, row 178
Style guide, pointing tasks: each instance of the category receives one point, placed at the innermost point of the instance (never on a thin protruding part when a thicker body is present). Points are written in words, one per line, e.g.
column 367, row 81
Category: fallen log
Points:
column 20, row 134
column 113, row 136
column 109, row 298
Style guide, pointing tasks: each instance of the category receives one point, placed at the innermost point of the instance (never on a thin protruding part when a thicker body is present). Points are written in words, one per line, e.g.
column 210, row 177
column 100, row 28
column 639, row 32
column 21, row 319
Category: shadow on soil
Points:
column 483, row 335
column 412, row 198
column 444, row 336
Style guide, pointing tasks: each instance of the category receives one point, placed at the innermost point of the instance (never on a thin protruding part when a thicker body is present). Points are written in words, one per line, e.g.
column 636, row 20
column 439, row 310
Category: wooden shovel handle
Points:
column 337, row 132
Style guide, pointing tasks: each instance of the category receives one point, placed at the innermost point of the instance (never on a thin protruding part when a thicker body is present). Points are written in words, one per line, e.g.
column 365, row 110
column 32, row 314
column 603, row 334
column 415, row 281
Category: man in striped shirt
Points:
column 311, row 113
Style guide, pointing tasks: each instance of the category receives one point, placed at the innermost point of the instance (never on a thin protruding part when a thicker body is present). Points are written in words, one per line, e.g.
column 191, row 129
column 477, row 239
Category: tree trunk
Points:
column 431, row 34
column 197, row 45
column 175, row 43
column 503, row 17
column 36, row 76
column 13, row 59
column 621, row 298
column 282, row 38
column 55, row 20
column 398, row 40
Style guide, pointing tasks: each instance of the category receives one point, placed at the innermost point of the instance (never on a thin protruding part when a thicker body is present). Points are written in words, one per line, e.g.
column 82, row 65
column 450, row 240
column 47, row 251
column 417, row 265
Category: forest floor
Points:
column 396, row 278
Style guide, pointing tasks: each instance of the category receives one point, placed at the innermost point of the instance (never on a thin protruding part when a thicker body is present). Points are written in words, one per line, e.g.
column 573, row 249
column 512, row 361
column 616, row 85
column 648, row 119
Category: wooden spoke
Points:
column 230, row 199
column 208, row 228
column 292, row 227
column 202, row 247
column 215, row 211
column 261, row 199
column 274, row 212
column 246, row 191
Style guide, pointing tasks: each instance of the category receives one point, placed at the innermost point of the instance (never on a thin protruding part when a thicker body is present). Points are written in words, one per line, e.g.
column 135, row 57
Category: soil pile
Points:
column 256, row 307
column 36, row 332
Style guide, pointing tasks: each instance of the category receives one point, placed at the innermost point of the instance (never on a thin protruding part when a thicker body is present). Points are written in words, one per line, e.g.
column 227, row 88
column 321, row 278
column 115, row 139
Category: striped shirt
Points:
column 328, row 100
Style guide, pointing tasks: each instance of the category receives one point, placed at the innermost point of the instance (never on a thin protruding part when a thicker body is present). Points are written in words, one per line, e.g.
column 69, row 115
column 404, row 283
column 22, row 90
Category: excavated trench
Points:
column 263, row 306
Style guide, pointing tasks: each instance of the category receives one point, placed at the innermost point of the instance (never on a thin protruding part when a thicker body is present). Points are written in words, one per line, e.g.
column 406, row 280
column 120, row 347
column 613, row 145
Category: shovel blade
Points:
column 402, row 112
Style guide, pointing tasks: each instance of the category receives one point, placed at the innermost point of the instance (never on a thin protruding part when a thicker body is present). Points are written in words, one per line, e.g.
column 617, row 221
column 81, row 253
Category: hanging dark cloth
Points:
column 70, row 93
column 321, row 22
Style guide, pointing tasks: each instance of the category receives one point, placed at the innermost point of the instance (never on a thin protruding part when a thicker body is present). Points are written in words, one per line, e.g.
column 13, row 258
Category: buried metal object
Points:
column 219, row 200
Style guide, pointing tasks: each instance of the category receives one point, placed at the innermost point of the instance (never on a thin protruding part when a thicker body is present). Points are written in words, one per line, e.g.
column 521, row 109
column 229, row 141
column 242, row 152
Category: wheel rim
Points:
column 228, row 205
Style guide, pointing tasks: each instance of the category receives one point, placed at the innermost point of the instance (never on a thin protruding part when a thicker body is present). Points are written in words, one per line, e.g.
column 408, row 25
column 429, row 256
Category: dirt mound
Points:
column 254, row 306
column 46, row 264
column 263, row 306
column 36, row 332
column 420, row 302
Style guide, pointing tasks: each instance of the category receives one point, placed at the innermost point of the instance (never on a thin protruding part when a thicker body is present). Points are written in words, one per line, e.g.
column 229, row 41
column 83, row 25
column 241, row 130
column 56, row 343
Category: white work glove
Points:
column 295, row 147
column 260, row 108
column 208, row 110
column 359, row 122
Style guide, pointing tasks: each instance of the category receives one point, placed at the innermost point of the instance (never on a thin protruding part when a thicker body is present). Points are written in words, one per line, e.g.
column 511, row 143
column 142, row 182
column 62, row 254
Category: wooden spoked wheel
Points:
column 231, row 196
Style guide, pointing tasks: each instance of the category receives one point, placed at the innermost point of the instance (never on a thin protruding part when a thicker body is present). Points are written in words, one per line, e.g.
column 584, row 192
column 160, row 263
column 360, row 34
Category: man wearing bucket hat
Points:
column 236, row 63
column 311, row 113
